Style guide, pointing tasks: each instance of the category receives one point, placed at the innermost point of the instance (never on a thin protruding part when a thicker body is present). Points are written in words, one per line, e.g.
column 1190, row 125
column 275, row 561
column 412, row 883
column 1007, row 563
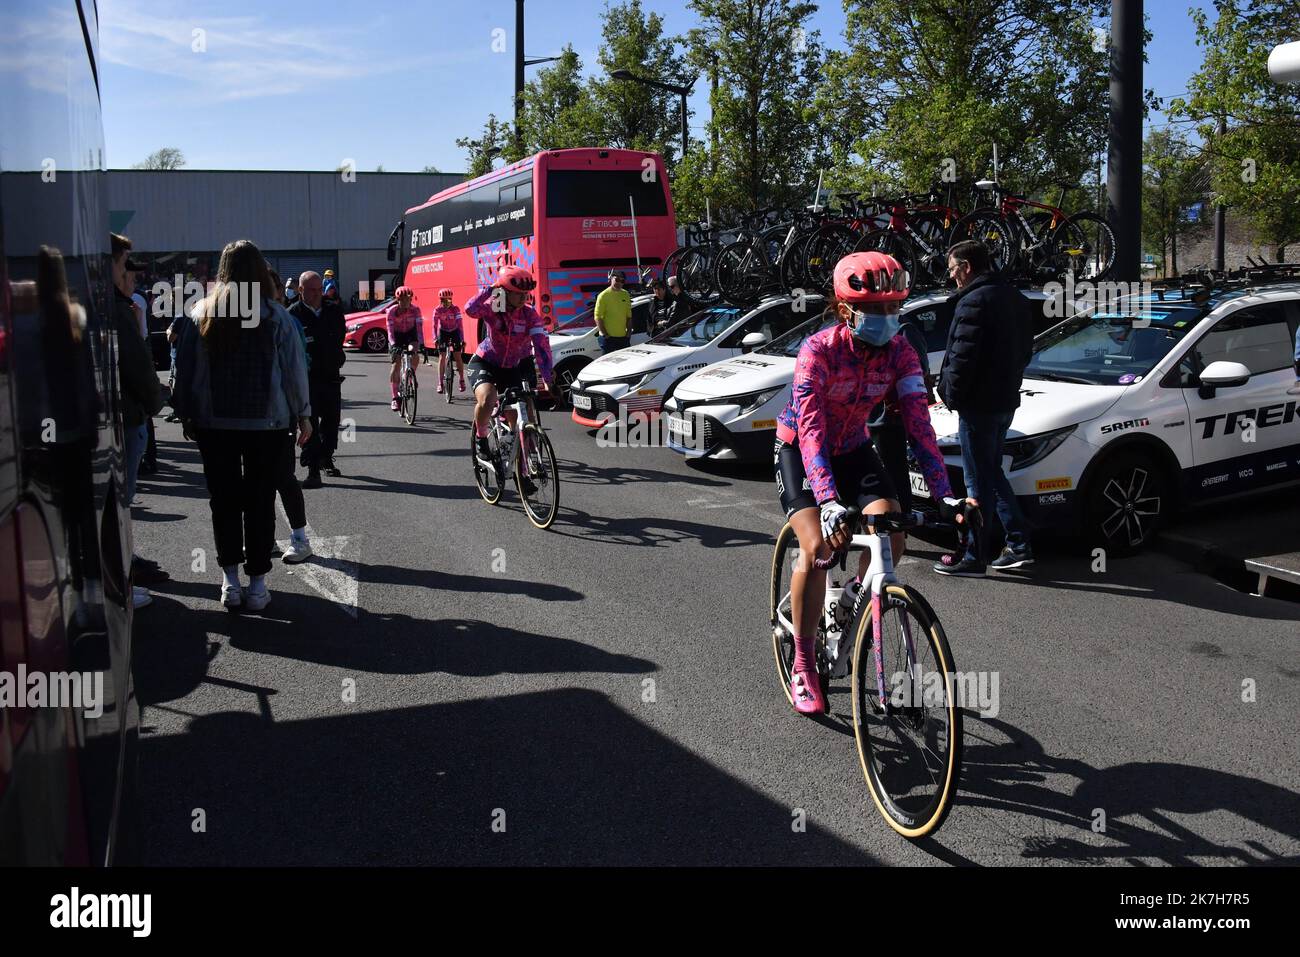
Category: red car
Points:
column 367, row 330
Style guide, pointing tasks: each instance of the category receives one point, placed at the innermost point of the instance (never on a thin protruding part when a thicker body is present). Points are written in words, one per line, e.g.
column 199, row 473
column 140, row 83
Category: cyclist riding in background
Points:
column 403, row 320
column 516, row 335
column 825, row 462
column 447, row 324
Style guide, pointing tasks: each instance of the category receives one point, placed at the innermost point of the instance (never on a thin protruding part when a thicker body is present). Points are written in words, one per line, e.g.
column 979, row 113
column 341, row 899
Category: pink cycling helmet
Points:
column 401, row 291
column 871, row 277
column 445, row 293
column 516, row 279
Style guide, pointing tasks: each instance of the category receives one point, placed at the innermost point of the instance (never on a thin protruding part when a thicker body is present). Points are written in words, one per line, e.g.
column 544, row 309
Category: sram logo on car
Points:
column 1126, row 424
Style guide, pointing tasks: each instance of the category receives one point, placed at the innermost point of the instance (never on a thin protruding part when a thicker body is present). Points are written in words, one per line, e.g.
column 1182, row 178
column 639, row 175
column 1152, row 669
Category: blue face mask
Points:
column 874, row 328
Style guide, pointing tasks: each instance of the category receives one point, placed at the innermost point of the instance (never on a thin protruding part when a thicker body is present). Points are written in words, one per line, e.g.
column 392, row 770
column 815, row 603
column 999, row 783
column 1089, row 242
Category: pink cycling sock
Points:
column 805, row 654
column 394, row 390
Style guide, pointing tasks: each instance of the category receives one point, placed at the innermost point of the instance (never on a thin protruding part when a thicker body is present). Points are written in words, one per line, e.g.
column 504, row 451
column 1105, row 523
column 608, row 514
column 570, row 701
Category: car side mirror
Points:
column 753, row 341
column 1222, row 375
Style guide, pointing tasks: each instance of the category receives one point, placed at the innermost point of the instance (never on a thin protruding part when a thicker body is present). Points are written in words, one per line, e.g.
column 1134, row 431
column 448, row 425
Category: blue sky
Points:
column 293, row 84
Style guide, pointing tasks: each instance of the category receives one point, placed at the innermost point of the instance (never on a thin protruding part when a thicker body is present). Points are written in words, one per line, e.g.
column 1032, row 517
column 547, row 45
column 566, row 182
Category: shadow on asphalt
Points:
column 651, row 532
column 1005, row 769
column 426, row 785
column 312, row 628
column 582, row 473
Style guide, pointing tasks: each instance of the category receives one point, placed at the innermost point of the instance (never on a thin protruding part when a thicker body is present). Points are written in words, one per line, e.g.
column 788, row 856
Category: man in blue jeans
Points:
column 990, row 342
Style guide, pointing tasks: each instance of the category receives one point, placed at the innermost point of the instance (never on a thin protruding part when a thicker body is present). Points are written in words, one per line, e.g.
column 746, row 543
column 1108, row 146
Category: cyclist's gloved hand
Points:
column 952, row 509
column 833, row 518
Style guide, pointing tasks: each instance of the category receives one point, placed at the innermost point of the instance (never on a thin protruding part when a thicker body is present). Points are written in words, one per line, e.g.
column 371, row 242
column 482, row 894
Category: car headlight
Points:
column 633, row 382
column 1027, row 451
column 754, row 400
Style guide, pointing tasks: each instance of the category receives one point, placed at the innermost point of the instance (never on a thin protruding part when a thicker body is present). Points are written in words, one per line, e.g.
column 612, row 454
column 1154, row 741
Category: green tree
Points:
column 166, row 158
column 768, row 137
column 631, row 115
column 1256, row 163
column 1174, row 178
column 927, row 87
column 558, row 109
column 495, row 138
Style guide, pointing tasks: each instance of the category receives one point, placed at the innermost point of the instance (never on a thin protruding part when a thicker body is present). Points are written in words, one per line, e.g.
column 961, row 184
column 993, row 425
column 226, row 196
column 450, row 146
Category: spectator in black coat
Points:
column 323, row 323
column 990, row 342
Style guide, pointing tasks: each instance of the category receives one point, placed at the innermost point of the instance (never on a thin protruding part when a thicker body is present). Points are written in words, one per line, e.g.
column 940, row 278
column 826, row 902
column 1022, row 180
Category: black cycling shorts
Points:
column 860, row 478
column 453, row 339
column 480, row 371
column 403, row 339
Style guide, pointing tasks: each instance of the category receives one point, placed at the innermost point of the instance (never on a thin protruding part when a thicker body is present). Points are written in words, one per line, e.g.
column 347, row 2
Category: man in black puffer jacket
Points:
column 990, row 342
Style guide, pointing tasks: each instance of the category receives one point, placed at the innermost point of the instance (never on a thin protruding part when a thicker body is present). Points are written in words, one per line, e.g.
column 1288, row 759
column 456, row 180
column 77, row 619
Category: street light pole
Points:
column 682, row 91
column 519, row 70
column 1124, row 186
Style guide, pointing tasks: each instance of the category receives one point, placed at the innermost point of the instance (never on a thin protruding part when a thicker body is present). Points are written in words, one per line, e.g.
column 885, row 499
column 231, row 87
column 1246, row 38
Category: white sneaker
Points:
column 297, row 552
column 232, row 596
column 140, row 597
column 255, row 598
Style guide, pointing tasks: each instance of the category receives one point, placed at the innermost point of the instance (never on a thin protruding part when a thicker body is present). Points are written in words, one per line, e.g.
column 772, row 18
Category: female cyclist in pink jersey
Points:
column 449, row 331
column 516, row 336
column 403, row 319
column 825, row 462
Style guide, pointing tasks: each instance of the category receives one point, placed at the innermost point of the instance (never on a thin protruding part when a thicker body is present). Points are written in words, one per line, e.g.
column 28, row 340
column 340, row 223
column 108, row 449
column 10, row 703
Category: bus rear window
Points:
column 591, row 192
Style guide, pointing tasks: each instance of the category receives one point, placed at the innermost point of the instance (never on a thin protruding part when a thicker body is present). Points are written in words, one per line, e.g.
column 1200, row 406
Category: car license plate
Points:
column 581, row 401
column 918, row 485
column 678, row 426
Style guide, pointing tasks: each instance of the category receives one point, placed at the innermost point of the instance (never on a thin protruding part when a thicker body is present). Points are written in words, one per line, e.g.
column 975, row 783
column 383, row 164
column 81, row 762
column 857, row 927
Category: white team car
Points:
column 729, row 410
column 573, row 342
column 1175, row 398
column 632, row 383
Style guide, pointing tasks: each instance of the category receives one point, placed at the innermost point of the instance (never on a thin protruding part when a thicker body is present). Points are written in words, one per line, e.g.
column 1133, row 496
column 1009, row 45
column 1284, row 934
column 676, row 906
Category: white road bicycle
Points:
column 906, row 718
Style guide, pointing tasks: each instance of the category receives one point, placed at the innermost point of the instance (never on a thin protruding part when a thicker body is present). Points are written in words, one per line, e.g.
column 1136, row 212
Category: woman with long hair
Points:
column 241, row 388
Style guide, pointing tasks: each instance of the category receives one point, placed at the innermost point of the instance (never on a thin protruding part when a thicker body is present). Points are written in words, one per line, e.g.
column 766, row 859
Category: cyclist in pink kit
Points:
column 516, row 336
column 403, row 319
column 825, row 462
column 448, row 329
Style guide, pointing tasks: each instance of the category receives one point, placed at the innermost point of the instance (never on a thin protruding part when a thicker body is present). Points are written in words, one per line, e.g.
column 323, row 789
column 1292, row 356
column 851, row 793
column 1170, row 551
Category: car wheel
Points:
column 1125, row 502
column 376, row 340
column 565, row 376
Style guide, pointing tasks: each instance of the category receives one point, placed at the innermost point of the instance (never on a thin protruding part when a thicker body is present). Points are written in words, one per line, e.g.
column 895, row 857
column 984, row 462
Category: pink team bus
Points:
column 565, row 214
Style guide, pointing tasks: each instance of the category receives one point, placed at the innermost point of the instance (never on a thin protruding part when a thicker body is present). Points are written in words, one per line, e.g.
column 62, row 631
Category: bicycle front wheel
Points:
column 485, row 475
column 906, row 718
column 739, row 273
column 409, row 395
column 538, row 477
column 989, row 228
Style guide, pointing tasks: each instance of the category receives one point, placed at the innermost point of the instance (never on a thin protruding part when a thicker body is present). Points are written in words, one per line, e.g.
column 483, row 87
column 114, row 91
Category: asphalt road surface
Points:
column 446, row 684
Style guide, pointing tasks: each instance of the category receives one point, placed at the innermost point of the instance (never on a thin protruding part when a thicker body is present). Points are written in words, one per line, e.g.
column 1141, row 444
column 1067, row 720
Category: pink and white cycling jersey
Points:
column 447, row 319
column 401, row 321
column 511, row 336
column 838, row 382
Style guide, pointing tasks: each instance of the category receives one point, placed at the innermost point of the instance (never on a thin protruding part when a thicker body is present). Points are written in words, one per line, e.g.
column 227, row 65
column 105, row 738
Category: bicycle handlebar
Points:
column 882, row 524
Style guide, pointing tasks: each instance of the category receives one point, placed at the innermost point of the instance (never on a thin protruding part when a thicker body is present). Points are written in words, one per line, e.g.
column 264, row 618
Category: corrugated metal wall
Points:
column 205, row 209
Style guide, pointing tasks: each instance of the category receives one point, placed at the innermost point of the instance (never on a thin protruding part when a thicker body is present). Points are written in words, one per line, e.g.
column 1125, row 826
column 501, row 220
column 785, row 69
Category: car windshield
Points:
column 577, row 324
column 791, row 342
column 699, row 329
column 1109, row 348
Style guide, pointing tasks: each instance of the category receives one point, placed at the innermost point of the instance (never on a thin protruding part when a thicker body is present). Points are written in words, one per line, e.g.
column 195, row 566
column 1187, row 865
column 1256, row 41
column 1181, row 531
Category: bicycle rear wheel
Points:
column 826, row 247
column 989, row 228
column 782, row 615
column 535, row 465
column 910, row 741
column 448, row 372
column 739, row 273
column 485, row 477
column 410, row 393
column 894, row 244
column 1086, row 246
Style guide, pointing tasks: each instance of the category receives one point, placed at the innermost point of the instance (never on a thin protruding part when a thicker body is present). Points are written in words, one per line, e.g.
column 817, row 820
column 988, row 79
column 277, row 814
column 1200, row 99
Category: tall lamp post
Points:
column 682, row 91
column 1124, row 165
column 522, row 61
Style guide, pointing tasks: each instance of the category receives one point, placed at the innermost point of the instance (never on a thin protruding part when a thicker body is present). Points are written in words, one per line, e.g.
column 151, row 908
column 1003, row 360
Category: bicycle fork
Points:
column 881, row 574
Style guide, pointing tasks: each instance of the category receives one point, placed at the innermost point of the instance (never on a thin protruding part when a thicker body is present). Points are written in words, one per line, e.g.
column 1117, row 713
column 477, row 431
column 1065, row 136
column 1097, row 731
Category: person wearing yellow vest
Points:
column 613, row 315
